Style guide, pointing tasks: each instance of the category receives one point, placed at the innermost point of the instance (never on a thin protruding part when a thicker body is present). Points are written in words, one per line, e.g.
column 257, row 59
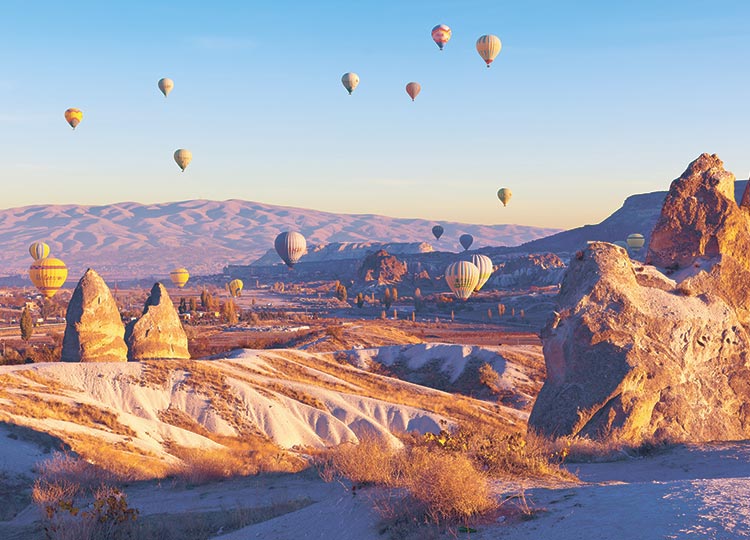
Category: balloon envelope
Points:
column 166, row 85
column 350, row 81
column 39, row 250
column 488, row 47
column 636, row 241
column 441, row 34
column 462, row 278
column 466, row 240
column 73, row 116
column 183, row 158
column 48, row 275
column 504, row 194
column 413, row 90
column 179, row 277
column 484, row 264
column 437, row 230
column 290, row 246
column 235, row 287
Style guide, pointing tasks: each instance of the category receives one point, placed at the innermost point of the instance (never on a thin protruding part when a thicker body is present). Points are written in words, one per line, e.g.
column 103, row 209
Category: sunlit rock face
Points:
column 94, row 330
column 637, row 355
column 158, row 333
column 382, row 268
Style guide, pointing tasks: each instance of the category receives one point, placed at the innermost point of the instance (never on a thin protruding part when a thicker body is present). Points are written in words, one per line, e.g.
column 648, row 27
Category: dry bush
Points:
column 371, row 461
column 584, row 450
column 64, row 468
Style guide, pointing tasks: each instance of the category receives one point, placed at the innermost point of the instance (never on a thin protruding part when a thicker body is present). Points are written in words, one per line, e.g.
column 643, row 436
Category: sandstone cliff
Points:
column 94, row 330
column 158, row 333
column 634, row 355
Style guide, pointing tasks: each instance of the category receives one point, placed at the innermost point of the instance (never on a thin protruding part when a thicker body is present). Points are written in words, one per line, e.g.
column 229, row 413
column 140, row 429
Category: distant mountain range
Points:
column 131, row 240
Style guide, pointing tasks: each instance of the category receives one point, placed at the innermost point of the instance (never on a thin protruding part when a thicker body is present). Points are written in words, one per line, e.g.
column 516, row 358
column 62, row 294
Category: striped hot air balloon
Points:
column 290, row 246
column 48, row 275
column 235, row 287
column 441, row 34
column 73, row 116
column 179, row 277
column 488, row 47
column 484, row 263
column 350, row 81
column 636, row 241
column 39, row 250
column 413, row 89
column 183, row 158
column 462, row 278
column 165, row 85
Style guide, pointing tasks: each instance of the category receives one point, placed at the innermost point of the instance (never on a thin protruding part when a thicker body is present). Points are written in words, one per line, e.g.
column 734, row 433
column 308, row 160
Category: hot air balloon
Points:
column 462, row 278
column 39, row 250
column 73, row 117
column 484, row 264
column 290, row 246
column 413, row 90
column 165, row 85
column 441, row 35
column 466, row 240
column 350, row 81
column 504, row 194
column 235, row 287
column 636, row 241
column 48, row 275
column 488, row 47
column 183, row 158
column 437, row 230
column 179, row 277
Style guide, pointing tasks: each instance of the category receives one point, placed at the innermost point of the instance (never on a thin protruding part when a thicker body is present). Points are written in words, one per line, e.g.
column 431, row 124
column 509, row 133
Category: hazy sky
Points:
column 587, row 103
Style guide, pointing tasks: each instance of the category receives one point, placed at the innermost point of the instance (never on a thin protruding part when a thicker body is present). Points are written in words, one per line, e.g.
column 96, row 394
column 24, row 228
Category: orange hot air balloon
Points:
column 73, row 117
column 441, row 35
column 48, row 275
column 413, row 90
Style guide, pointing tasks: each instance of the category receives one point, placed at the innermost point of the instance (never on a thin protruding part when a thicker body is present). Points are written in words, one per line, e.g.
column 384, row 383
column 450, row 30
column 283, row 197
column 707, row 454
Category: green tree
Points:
column 418, row 300
column 360, row 300
column 27, row 324
column 193, row 304
column 183, row 305
column 204, row 298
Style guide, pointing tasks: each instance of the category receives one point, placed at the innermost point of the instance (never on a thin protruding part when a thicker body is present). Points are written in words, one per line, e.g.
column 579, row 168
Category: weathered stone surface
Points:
column 635, row 355
column 158, row 333
column 531, row 270
column 94, row 330
column 382, row 267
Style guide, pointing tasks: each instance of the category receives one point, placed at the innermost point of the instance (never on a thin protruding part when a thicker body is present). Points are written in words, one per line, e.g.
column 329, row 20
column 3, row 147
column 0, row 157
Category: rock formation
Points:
column 94, row 330
column 521, row 272
column 634, row 355
column 158, row 333
column 382, row 267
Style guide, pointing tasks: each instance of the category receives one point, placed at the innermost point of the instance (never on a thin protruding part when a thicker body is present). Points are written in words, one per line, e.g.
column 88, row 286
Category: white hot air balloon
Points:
column 484, row 263
column 462, row 278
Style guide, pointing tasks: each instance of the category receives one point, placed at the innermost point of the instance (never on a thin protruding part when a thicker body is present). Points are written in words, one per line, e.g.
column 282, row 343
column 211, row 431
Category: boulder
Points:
column 94, row 330
column 640, row 353
column 382, row 267
column 158, row 333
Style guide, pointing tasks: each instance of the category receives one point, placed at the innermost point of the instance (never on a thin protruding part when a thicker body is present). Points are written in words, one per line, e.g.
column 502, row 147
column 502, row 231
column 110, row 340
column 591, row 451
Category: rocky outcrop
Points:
column 382, row 267
column 158, row 333
column 635, row 355
column 94, row 330
column 521, row 272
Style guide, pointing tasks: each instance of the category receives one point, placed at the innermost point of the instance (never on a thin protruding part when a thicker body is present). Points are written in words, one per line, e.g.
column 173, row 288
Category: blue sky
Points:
column 587, row 103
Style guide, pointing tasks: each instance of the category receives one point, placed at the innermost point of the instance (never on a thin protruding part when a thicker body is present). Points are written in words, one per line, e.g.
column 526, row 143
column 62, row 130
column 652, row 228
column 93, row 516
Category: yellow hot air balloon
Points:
column 504, row 194
column 179, row 277
column 166, row 85
column 636, row 241
column 484, row 263
column 235, row 287
column 48, row 275
column 488, row 47
column 73, row 117
column 441, row 34
column 39, row 250
column 413, row 89
column 350, row 81
column 183, row 158
column 462, row 278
